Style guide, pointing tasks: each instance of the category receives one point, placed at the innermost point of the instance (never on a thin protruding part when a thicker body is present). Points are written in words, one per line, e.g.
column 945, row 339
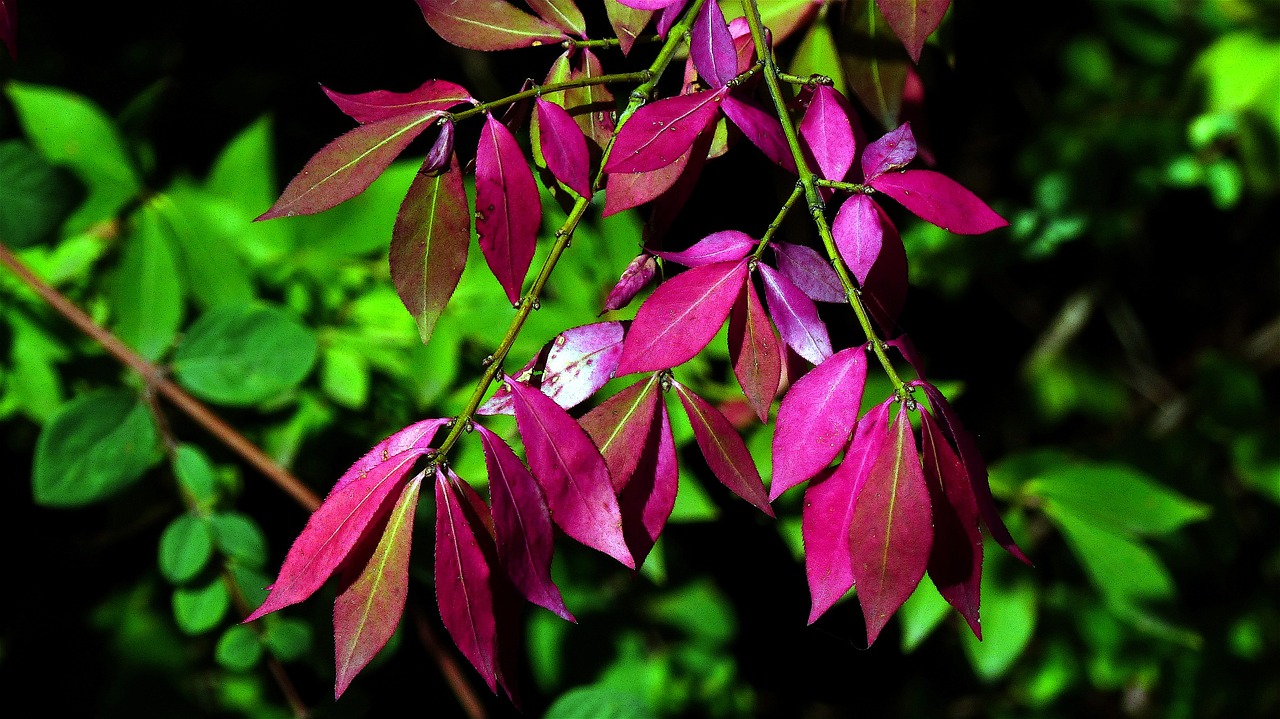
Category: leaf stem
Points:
column 817, row 207
column 777, row 221
column 846, row 186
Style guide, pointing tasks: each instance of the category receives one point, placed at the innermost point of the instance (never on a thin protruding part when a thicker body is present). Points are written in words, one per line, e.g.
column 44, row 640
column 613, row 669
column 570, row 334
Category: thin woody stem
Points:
column 777, row 221
column 537, row 90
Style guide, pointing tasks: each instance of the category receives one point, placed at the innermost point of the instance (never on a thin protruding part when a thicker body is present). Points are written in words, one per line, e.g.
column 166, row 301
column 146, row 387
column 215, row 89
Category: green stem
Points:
column 801, row 80
column 813, row 196
column 536, row 90
column 846, row 186
column 777, row 221
column 608, row 42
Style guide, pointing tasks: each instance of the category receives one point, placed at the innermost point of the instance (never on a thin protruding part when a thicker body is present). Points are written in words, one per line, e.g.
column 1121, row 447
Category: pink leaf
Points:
column 660, row 132
column 650, row 493
column 571, row 472
column 564, row 14
column 625, row 190
column 711, row 46
column 414, row 438
column 368, row 107
column 564, row 147
column 723, row 246
column 754, row 352
column 521, row 525
column 487, row 24
column 809, row 271
column 761, row 128
column 795, row 316
column 891, row 531
column 500, row 402
column 939, row 199
column 367, row 612
column 724, row 450
column 508, row 207
column 955, row 563
column 578, row 362
column 648, row 4
column 620, row 427
column 828, row 132
column 681, row 317
column 429, row 245
column 913, row 21
column 463, row 574
column 892, row 151
column 816, row 418
column 638, row 273
column 858, row 235
column 670, row 14
column 347, row 166
column 885, row 290
column 627, row 23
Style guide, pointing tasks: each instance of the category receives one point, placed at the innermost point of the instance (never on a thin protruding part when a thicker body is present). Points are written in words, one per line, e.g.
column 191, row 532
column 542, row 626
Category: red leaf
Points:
column 650, row 493
column 347, row 166
column 571, row 472
column 828, row 132
column 955, row 563
column 487, row 24
column 796, row 317
column 380, row 104
column 367, row 612
column 429, row 245
column 627, row 23
column 913, row 21
column 809, row 271
column 660, row 132
column 564, row 147
column 563, row 14
column 754, row 352
column 858, row 235
column 711, row 46
column 416, row 437
column 681, row 317
column 939, row 199
column 892, row 151
column 816, row 418
column 638, row 273
column 462, row 574
column 762, row 129
column 521, row 525
column 620, row 427
column 891, row 530
column 724, row 450
column 625, row 190
column 579, row 361
column 441, row 152
column 508, row 207
column 723, row 246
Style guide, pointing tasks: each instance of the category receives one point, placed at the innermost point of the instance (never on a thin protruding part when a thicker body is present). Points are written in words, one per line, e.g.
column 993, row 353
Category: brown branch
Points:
column 448, row 666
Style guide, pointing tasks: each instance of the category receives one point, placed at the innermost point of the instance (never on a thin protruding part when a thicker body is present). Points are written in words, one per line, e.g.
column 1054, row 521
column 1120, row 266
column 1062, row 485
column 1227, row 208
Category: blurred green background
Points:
column 1114, row 350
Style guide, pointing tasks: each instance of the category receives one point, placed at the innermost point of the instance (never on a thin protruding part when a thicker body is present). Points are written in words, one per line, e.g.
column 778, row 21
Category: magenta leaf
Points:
column 462, row 574
column 711, row 46
column 368, row 107
column 508, row 207
column 500, row 402
column 795, row 316
column 414, row 438
column 441, row 151
column 621, row 426
column 649, row 4
column 809, row 271
column 828, row 132
column 638, row 273
column 625, row 190
column 858, row 234
column 487, row 24
column 660, row 132
column 347, row 166
column 913, row 21
column 572, row 473
column 955, row 563
column 650, row 493
column 885, row 290
column 669, row 15
column 723, row 246
column 521, row 525
column 627, row 23
column 892, row 151
column 429, row 244
column 564, row 14
column 724, row 450
column 754, row 352
column 367, row 612
column 816, row 418
column 936, row 198
column 578, row 362
column 761, row 128
column 681, row 317
column 564, row 147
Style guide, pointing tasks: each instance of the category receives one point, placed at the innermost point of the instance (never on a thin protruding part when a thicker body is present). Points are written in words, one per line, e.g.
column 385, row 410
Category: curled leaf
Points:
column 723, row 246
column 892, row 151
column 955, row 562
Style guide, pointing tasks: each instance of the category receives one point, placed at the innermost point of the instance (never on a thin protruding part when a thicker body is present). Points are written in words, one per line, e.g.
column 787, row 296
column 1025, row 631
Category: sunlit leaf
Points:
column 487, row 24
column 660, row 132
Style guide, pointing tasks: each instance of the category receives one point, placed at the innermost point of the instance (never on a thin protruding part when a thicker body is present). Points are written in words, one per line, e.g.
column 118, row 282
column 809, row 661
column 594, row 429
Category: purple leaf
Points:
column 913, row 21
column 508, row 207
column 441, row 152
column 827, row 131
column 368, row 611
column 761, row 128
column 681, row 317
column 754, row 352
column 724, row 450
column 660, row 132
column 858, row 235
column 711, row 46
column 891, row 530
column 563, row 14
column 955, row 563
column 368, row 107
column 648, row 4
column 809, row 271
column 795, row 316
column 9, row 26
column 885, row 291
column 620, row 427
column 638, row 273
column 564, row 147
column 578, row 362
column 892, row 151
column 347, row 166
column 416, row 438
column 723, row 246
column 650, row 493
column 939, row 199
column 462, row 574
column 571, row 472
column 670, row 14
column 627, row 23
column 816, row 418
column 521, row 525
column 625, row 190
column 487, row 24
column 429, row 245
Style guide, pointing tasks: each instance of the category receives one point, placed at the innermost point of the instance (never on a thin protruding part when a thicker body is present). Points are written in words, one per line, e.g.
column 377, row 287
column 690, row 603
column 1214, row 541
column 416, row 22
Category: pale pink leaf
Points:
column 660, row 132
column 761, row 128
column 711, row 46
column 936, row 198
column 892, row 151
column 858, row 234
column 377, row 105
column 429, row 244
column 500, row 402
column 620, row 427
column 487, row 24
column 724, row 450
column 463, row 578
column 809, row 271
column 913, row 21
column 816, row 418
column 577, row 362
column 795, row 316
column 638, row 273
column 414, row 438
column 955, row 563
column 754, row 352
column 564, row 147
column 564, row 14
column 508, row 207
column 828, row 132
column 627, row 23
column 723, row 246
column 650, row 493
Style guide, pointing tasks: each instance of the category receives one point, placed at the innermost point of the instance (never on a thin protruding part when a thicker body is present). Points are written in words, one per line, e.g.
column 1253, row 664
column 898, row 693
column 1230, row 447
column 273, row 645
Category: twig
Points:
column 448, row 667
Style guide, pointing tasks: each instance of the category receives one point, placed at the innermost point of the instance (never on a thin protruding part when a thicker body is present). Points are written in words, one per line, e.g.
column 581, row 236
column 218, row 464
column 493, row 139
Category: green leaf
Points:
column 287, row 639
column 205, row 234
column 185, row 548
column 239, row 648
column 244, row 354
column 199, row 609
column 923, row 611
column 242, row 172
column 34, row 382
column 1009, row 614
column 1116, row 498
column 599, row 702
column 37, row 195
column 1125, row 571
column 92, row 447
column 70, row 130
column 146, row 296
column 817, row 55
column 195, row 474
column 240, row 538
column 1257, row 460
column 699, row 610
column 344, row 376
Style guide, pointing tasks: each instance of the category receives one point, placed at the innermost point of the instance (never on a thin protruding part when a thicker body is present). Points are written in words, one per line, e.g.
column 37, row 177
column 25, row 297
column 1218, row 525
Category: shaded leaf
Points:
column 877, row 73
column 955, row 562
column 508, row 207
column 625, row 190
column 37, row 195
column 828, row 132
column 892, row 151
column 197, row 610
column 885, row 291
column 638, row 273
column 627, row 23
column 1116, row 497
column 9, row 26
column 809, row 271
column 487, row 24
column 761, row 128
column 914, row 20
column 186, row 546
column 592, row 106
column 754, row 352
column 377, row 105
column 429, row 244
column 660, row 132
column 711, row 46
column 858, row 235
column 936, row 198
column 621, row 426
column 244, row 354
column 795, row 316
column 564, row 147
column 649, row 496
column 462, row 574
column 723, row 246
column 724, row 450
column 817, row 417
column 146, row 294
